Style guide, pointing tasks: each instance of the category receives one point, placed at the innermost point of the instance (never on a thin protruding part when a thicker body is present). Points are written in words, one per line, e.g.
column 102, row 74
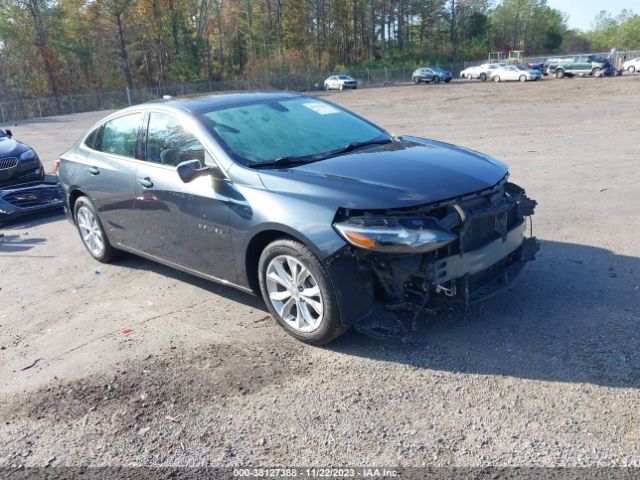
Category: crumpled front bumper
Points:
column 28, row 198
column 480, row 273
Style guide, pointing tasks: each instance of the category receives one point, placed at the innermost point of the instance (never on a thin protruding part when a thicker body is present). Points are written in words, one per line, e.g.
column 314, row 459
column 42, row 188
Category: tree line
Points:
column 56, row 47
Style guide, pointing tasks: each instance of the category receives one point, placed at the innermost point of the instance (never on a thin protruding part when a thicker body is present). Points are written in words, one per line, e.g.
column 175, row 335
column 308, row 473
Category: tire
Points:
column 92, row 232
column 483, row 77
column 595, row 72
column 496, row 78
column 416, row 80
column 523, row 78
column 436, row 79
column 341, row 86
column 560, row 73
column 631, row 69
column 326, row 87
column 321, row 323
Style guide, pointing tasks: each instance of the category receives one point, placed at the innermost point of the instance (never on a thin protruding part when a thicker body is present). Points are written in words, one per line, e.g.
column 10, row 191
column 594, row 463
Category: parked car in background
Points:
column 325, row 214
column 430, row 75
column 632, row 65
column 445, row 75
column 340, row 82
column 608, row 70
column 424, row 75
column 24, row 188
column 536, row 66
column 480, row 72
column 581, row 65
column 515, row 73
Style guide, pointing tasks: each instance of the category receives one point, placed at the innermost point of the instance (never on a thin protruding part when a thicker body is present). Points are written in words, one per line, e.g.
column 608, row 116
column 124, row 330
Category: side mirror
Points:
column 189, row 170
column 8, row 132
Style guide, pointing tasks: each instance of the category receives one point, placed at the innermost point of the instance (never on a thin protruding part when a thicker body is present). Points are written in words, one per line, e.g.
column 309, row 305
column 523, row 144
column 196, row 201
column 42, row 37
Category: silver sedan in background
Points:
column 515, row 73
column 340, row 82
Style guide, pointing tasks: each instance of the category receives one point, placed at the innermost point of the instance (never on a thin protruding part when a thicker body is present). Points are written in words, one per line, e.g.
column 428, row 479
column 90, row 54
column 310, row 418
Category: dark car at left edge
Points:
column 24, row 187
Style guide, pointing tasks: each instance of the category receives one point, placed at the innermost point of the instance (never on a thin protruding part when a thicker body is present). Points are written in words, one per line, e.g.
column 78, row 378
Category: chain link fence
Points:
column 11, row 111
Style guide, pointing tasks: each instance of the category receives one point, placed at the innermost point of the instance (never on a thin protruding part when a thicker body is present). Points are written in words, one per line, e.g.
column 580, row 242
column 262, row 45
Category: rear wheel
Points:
column 91, row 231
column 297, row 291
column 483, row 77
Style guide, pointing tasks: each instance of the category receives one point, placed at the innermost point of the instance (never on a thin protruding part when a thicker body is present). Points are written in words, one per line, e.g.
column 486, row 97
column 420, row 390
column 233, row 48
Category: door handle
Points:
column 145, row 182
column 94, row 170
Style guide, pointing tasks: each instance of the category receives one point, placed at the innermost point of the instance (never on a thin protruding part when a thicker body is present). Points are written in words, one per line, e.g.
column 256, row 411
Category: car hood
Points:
column 411, row 171
column 11, row 148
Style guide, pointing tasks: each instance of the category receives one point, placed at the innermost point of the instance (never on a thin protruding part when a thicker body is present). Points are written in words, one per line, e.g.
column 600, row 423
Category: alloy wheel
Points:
column 90, row 231
column 294, row 293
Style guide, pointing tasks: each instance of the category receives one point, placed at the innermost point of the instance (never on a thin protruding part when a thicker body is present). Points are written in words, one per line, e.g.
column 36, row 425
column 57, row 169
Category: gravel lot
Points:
column 547, row 373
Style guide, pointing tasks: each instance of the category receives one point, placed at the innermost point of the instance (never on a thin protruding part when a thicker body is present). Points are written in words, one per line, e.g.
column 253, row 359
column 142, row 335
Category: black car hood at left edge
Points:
column 11, row 148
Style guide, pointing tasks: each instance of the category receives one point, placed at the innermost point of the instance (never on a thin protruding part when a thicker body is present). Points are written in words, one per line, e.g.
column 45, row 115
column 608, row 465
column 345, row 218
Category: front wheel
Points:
column 631, row 69
column 341, row 86
column 298, row 292
column 416, row 80
column 91, row 231
column 596, row 72
column 483, row 77
column 496, row 78
column 559, row 73
column 436, row 79
column 523, row 78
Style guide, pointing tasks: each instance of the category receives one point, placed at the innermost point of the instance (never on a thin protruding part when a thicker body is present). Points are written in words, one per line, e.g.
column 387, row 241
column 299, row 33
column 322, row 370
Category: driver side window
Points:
column 168, row 143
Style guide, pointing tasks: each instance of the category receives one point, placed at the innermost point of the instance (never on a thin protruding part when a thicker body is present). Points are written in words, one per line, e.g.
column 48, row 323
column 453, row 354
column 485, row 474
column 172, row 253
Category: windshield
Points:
column 268, row 130
column 2, row 134
column 522, row 67
column 344, row 77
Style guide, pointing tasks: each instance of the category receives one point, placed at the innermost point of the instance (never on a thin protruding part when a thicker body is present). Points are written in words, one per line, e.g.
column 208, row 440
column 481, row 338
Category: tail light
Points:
column 57, row 166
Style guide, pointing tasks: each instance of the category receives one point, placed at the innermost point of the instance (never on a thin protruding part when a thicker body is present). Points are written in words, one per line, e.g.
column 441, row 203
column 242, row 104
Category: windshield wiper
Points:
column 356, row 145
column 281, row 162
column 293, row 161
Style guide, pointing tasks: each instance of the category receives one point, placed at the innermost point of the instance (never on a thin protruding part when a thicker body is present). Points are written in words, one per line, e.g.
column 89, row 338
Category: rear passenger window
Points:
column 120, row 135
column 93, row 139
column 168, row 143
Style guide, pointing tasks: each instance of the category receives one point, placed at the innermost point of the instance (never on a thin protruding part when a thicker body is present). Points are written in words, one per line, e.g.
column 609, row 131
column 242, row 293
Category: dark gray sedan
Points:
column 323, row 212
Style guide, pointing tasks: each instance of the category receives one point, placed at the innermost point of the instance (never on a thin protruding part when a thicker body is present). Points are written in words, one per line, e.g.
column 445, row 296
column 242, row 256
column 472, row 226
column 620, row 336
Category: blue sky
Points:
column 582, row 12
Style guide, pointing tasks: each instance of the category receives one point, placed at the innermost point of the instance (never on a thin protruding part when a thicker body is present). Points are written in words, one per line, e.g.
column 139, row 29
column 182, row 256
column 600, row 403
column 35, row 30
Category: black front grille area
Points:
column 8, row 162
column 33, row 197
column 479, row 231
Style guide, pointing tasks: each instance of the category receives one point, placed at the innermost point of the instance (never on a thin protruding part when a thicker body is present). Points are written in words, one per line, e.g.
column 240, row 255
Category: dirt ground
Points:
column 547, row 373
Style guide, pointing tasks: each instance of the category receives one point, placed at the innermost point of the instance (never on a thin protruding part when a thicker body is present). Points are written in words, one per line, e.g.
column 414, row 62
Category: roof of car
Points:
column 216, row 101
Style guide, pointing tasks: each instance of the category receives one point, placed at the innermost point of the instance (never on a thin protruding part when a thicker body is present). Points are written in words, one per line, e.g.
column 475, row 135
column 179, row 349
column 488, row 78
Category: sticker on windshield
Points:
column 321, row 108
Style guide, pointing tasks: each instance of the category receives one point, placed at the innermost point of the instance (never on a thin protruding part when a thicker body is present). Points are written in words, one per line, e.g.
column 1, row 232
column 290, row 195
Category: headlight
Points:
column 28, row 155
column 395, row 234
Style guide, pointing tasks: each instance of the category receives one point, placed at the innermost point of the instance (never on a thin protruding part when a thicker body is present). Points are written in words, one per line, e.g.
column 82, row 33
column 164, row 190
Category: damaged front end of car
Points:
column 457, row 251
